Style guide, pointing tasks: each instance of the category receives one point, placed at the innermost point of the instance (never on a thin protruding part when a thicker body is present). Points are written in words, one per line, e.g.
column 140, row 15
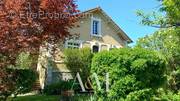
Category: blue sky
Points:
column 123, row 13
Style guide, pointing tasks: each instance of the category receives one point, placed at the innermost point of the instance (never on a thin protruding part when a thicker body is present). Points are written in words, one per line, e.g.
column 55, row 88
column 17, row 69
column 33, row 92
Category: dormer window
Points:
column 96, row 27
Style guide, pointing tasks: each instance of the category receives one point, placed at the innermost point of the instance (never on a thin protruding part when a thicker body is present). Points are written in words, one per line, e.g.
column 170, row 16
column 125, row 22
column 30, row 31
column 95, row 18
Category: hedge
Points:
column 130, row 72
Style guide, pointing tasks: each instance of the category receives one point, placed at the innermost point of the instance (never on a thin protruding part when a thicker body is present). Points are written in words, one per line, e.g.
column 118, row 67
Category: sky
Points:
column 123, row 12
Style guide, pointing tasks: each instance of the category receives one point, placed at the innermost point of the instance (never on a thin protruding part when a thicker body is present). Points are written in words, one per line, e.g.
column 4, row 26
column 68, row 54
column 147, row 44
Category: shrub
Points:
column 162, row 95
column 57, row 88
column 22, row 80
column 79, row 60
column 130, row 70
column 68, row 85
column 53, row 89
column 141, row 95
column 26, row 79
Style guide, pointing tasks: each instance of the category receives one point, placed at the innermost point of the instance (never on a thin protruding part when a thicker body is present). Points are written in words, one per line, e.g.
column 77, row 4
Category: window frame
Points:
column 113, row 47
column 73, row 46
column 99, row 34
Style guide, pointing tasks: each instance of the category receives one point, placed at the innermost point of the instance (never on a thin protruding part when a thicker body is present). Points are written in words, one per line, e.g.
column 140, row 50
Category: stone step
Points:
column 36, row 85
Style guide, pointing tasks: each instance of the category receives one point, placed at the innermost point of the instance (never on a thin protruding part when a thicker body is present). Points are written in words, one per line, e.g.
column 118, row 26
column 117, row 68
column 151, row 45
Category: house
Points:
column 95, row 30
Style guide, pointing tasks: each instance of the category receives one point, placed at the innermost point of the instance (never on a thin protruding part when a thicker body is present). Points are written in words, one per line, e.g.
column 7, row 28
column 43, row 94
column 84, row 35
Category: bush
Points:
column 57, row 88
column 22, row 80
column 26, row 79
column 53, row 89
column 79, row 60
column 130, row 70
column 162, row 95
column 141, row 95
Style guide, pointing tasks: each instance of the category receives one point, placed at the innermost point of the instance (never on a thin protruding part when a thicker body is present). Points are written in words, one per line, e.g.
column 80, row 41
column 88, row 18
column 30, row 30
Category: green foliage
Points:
column 24, row 61
column 68, row 85
column 130, row 70
column 167, row 16
column 57, row 88
column 25, row 80
column 22, row 80
column 17, row 77
column 79, row 60
column 152, row 95
column 172, row 8
column 166, row 41
column 162, row 95
column 141, row 95
column 152, row 19
column 53, row 89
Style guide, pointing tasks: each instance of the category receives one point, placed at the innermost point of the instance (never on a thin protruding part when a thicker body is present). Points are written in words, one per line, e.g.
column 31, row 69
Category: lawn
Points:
column 50, row 98
column 37, row 98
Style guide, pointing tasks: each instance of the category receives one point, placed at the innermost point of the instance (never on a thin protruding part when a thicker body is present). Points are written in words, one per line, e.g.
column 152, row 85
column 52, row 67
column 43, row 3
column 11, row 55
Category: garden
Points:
column 135, row 74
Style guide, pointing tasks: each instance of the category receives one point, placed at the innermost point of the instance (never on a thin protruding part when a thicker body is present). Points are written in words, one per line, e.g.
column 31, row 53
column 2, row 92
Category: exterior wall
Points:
column 51, row 68
column 109, row 35
column 41, row 67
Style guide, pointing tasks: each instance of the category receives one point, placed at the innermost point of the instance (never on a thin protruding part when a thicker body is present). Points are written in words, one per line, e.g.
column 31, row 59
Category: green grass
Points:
column 50, row 98
column 37, row 98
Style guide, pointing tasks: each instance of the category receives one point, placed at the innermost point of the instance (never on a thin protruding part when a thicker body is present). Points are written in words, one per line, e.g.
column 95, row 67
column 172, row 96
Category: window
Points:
column 95, row 49
column 72, row 44
column 112, row 47
column 96, row 27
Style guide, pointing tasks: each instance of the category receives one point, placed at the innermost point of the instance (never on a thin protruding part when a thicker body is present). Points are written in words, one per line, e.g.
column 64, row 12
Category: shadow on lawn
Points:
column 51, row 98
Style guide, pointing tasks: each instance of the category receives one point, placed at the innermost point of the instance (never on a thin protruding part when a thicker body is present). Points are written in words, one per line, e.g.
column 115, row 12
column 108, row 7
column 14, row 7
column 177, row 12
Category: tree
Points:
column 26, row 24
column 171, row 18
column 166, row 40
column 172, row 8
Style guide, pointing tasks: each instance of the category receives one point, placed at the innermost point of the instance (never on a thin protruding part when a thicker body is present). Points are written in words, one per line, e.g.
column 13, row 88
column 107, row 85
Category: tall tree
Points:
column 167, row 42
column 26, row 24
column 167, row 38
column 167, row 16
column 172, row 8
